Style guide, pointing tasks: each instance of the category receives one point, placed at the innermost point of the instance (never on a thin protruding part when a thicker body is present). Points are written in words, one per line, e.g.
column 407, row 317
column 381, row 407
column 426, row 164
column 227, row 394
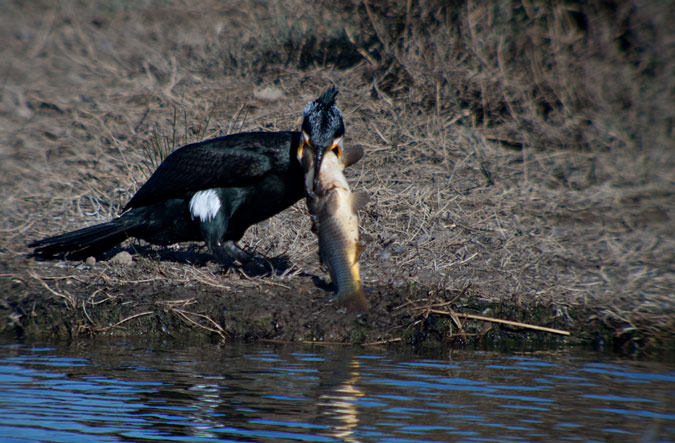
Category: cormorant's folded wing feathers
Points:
column 222, row 162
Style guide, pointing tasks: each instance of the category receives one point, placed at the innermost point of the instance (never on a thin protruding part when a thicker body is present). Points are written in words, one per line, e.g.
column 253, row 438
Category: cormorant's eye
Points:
column 304, row 144
column 337, row 150
column 336, row 147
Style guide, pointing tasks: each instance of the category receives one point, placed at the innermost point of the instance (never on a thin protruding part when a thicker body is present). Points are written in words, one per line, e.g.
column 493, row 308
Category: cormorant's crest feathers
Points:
column 323, row 120
column 327, row 99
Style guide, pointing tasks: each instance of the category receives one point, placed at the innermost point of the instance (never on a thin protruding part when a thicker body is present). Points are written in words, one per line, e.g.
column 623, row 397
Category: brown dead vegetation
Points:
column 522, row 150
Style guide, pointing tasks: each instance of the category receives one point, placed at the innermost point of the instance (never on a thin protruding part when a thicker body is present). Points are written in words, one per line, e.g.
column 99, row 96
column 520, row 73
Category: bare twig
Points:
column 383, row 342
column 216, row 328
column 497, row 320
column 124, row 320
column 69, row 299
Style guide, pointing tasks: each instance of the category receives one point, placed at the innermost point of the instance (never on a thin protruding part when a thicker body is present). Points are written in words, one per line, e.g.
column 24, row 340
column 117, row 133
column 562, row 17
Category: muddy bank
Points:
column 156, row 298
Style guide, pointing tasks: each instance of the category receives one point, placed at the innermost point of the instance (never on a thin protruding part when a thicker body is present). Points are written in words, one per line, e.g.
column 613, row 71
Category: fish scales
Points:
column 338, row 241
column 333, row 207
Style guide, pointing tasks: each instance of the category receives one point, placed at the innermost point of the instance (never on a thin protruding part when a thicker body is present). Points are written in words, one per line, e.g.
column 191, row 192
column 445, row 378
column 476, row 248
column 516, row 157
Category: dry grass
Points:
column 524, row 148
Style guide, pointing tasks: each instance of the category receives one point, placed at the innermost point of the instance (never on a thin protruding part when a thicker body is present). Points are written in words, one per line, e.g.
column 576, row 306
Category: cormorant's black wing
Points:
column 233, row 160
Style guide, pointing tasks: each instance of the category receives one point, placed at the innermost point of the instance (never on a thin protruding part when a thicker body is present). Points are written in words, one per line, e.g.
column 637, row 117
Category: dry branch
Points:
column 124, row 320
column 500, row 321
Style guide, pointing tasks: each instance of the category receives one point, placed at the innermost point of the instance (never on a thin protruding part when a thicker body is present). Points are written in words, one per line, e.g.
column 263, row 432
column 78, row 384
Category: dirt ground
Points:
column 519, row 161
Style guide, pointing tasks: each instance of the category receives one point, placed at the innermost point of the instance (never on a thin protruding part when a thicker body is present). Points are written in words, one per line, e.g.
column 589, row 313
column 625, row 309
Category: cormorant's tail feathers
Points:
column 82, row 243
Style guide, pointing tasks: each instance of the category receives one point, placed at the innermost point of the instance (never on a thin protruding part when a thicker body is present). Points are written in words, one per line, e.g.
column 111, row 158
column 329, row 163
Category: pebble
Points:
column 122, row 258
column 268, row 93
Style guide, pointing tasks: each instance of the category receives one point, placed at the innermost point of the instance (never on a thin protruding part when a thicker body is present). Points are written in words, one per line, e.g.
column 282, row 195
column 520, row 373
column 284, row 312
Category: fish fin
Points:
column 329, row 204
column 351, row 154
column 359, row 200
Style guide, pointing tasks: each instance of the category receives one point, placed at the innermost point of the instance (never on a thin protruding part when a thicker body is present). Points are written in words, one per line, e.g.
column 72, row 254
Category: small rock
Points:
column 122, row 258
column 268, row 93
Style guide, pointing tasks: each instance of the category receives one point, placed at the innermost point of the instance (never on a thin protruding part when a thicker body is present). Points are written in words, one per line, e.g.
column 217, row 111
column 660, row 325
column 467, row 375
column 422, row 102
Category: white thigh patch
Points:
column 205, row 205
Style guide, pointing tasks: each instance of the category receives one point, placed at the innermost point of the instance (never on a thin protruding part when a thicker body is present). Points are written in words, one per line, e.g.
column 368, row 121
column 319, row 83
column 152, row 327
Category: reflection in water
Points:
column 341, row 404
column 97, row 391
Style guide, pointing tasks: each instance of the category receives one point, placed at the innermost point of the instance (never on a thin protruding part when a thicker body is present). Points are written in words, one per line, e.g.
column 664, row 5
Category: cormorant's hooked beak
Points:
column 318, row 158
column 318, row 155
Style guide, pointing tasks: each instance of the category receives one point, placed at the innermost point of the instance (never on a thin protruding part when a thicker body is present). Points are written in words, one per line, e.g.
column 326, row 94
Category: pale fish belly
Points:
column 337, row 226
column 338, row 231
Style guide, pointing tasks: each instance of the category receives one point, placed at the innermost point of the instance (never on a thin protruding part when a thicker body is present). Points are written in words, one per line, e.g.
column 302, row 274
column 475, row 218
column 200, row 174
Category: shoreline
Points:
column 115, row 300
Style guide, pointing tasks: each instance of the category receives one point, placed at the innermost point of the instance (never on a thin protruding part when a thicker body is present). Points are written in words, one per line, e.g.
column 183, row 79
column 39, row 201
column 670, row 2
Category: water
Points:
column 96, row 391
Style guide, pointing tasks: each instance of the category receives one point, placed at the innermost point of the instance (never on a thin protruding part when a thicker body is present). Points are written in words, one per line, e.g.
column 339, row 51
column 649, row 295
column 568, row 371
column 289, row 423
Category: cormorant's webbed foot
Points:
column 236, row 253
column 232, row 256
column 257, row 266
column 228, row 254
column 251, row 264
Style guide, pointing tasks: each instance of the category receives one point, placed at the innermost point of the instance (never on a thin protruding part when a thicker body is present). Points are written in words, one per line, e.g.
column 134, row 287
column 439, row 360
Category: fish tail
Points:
column 354, row 301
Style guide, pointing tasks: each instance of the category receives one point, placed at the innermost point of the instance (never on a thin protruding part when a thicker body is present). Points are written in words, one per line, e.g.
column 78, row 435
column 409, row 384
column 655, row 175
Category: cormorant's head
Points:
column 322, row 129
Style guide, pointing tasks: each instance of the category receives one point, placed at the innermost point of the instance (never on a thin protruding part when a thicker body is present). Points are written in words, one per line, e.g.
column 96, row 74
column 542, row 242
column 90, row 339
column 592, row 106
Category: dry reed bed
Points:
column 524, row 150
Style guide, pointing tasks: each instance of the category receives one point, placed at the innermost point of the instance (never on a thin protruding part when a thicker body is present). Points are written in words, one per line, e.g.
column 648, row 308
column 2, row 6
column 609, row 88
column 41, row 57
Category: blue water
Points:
column 103, row 391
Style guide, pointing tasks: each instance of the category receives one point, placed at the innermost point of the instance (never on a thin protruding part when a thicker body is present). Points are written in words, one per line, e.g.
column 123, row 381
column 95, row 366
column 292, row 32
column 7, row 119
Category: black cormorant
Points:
column 215, row 189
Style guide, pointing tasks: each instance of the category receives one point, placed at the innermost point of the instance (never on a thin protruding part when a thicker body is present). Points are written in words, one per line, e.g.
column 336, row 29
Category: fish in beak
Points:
column 309, row 154
column 334, row 210
column 335, row 148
